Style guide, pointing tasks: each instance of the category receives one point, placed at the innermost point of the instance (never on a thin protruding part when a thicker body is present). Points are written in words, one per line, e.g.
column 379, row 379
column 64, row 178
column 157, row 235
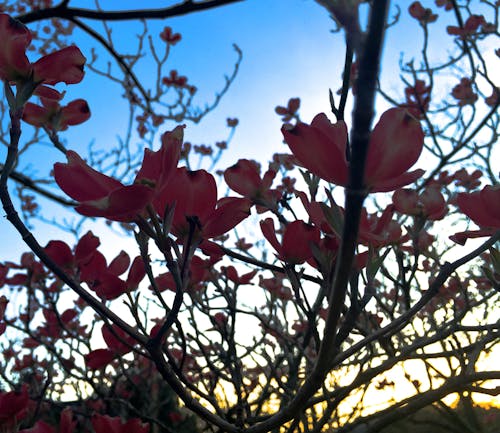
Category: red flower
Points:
column 119, row 343
column 62, row 255
column 55, row 117
column 470, row 27
column 464, row 93
column 92, row 268
column 395, row 145
column 377, row 231
column 174, row 79
column 105, row 280
column 107, row 424
column 65, row 65
column 55, row 324
column 423, row 15
column 295, row 247
column 194, row 194
column 117, row 339
column 244, row 178
column 320, row 147
column 483, row 207
column 15, row 39
column 99, row 358
column 98, row 194
column 447, row 4
column 13, row 407
column 169, row 37
column 290, row 111
column 157, row 167
column 101, row 195
column 66, row 425
column 430, row 203
column 136, row 273
column 232, row 274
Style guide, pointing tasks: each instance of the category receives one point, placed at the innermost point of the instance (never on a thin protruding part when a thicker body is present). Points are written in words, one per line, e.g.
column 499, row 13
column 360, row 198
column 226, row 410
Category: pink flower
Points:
column 15, row 39
column 55, row 117
column 429, row 204
column 244, row 178
column 395, row 145
column 65, row 65
column 423, row 15
column 298, row 238
column 107, row 424
column 98, row 194
column 101, row 195
column 483, row 207
column 194, row 194
column 169, row 36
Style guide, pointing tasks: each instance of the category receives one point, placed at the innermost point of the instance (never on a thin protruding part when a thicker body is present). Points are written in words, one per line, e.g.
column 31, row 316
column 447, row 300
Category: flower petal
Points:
column 75, row 112
column 157, row 167
column 122, row 204
column 397, row 182
column 229, row 213
column 15, row 39
column 243, row 177
column 395, row 145
column 480, row 211
column 320, row 147
column 65, row 65
column 80, row 181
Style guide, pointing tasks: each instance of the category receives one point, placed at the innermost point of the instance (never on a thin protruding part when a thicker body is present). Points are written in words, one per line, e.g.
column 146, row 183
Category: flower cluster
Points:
column 470, row 27
column 464, row 93
column 418, row 98
column 189, row 197
column 63, row 66
column 423, row 15
column 395, row 145
column 54, row 116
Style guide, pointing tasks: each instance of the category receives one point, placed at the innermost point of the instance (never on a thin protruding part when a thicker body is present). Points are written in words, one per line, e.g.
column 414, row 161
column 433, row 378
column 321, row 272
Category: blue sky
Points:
column 288, row 51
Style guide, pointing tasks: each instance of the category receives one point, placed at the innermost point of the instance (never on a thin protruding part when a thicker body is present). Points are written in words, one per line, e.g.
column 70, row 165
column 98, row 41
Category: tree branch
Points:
column 64, row 12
